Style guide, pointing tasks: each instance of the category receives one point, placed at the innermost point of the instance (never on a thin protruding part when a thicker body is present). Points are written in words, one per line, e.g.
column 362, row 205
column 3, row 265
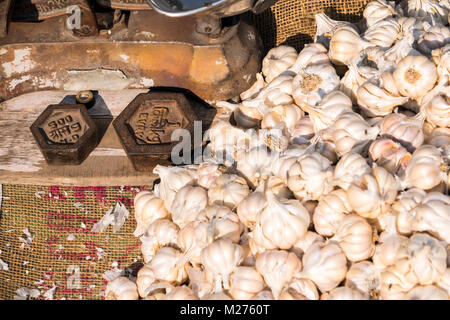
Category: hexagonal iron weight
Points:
column 65, row 134
column 146, row 125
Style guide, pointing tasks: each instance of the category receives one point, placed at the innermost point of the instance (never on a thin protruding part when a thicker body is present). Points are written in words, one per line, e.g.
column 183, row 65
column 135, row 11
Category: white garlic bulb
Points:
column 147, row 209
column 207, row 174
column 350, row 132
column 345, row 45
column 374, row 194
column 277, row 60
column 390, row 155
column 172, row 180
column 223, row 223
column 280, row 225
column 415, row 75
column 391, row 248
column 300, row 289
column 444, row 281
column 192, row 238
column 305, row 242
column 277, row 267
column 428, row 258
column 311, row 84
column 159, row 234
column 326, row 28
column 310, row 176
column 355, row 237
column 121, row 288
column 229, row 190
column 383, row 33
column 168, row 266
column 188, row 204
column 355, row 76
column 200, row 281
column 325, row 265
column 350, row 168
column 426, row 293
column 256, row 87
column 438, row 111
column 423, row 171
column 430, row 10
column 220, row 258
column 365, row 277
column 145, row 278
column 181, row 293
column 343, row 293
column 302, row 132
column 378, row 10
column 400, row 50
column 264, row 295
column 255, row 164
column 283, row 163
column 311, row 54
column 245, row 283
column 249, row 208
column 375, row 101
column 404, row 207
column 434, row 37
column 330, row 211
column 406, row 130
column 282, row 117
column 397, row 280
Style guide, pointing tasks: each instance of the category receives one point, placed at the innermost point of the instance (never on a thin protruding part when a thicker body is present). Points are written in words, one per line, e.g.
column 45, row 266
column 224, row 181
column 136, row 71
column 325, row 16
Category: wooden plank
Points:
column 21, row 161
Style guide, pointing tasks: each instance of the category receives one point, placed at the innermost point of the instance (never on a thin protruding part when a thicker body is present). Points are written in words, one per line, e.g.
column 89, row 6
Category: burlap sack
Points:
column 64, row 258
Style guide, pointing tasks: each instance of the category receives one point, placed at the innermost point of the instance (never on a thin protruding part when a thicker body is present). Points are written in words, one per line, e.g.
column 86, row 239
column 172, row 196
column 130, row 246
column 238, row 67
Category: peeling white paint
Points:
column 124, row 57
column 21, row 63
column 147, row 82
column 15, row 82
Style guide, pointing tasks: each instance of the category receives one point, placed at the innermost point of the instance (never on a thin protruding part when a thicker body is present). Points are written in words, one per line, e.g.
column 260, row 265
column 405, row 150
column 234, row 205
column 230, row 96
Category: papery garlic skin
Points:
column 200, row 281
column 220, row 258
column 302, row 132
column 277, row 268
column 404, row 207
column 282, row 117
column 350, row 168
column 343, row 293
column 325, row 265
column 300, row 289
column 256, row 87
column 311, row 54
column 444, row 281
column 245, row 283
column 390, row 155
column 406, row 130
column 326, row 28
column 426, row 293
column 330, row 211
column 397, row 280
column 147, row 209
column 181, row 293
column 249, row 208
column 264, row 295
column 428, row 258
column 277, row 60
column 378, row 10
column 423, row 171
column 159, row 234
column 310, row 176
column 427, row 9
column 390, row 249
column 121, row 288
column 223, row 223
column 415, row 75
column 188, row 204
column 438, row 111
column 365, row 277
column 229, row 190
column 345, row 44
column 434, row 37
column 255, row 164
column 207, row 174
column 167, row 266
column 145, row 278
column 354, row 236
column 383, row 33
column 305, row 242
column 193, row 238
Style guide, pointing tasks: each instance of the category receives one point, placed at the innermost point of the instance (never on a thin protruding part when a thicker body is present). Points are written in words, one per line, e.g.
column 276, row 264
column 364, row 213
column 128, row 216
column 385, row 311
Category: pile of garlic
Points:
column 348, row 202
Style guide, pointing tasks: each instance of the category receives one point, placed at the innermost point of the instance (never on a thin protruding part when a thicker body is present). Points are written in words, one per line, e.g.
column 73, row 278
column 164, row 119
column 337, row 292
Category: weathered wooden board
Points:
column 21, row 161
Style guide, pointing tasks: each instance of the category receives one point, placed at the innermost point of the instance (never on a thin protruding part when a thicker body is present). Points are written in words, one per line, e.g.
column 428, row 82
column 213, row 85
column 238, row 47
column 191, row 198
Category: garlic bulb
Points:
column 181, row 293
column 375, row 101
column 207, row 174
column 159, row 234
column 147, row 209
column 345, row 45
column 397, row 280
column 428, row 258
column 350, row 168
column 406, row 130
column 354, row 236
column 280, row 225
column 145, row 278
column 281, row 166
column 331, row 106
column 427, row 9
column 438, row 111
column 255, row 164
column 390, row 249
column 444, row 281
column 200, row 281
column 228, row 190
column 326, row 28
column 365, row 277
column 310, row 176
column 311, row 54
column 245, row 283
column 330, row 211
column 223, row 223
column 313, row 83
column 389, row 155
column 325, row 265
column 423, row 171
column 167, row 266
column 220, row 258
column 383, row 33
column 434, row 37
column 400, row 50
column 264, row 295
column 378, row 10
column 374, row 194
column 188, row 204
column 305, row 242
column 121, row 288
column 355, row 76
column 225, row 140
column 426, row 293
column 278, row 268
column 277, row 60
column 415, row 75
column 172, row 180
column 343, row 293
column 300, row 289
column 217, row 296
column 249, row 208
column 350, row 132
column 302, row 132
column 256, row 87
column 192, row 238
column 282, row 117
